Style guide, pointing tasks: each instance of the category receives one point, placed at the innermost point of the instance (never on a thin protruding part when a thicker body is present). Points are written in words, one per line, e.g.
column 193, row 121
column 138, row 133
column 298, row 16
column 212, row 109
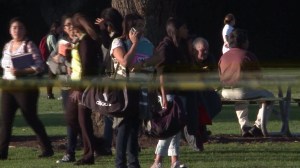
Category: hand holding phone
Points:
column 133, row 29
column 134, row 35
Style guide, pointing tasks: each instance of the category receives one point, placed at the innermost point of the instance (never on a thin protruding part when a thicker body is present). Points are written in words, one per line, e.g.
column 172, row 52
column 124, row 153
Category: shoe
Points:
column 103, row 152
column 245, row 131
column 177, row 164
column 67, row 158
column 3, row 157
column 50, row 96
column 156, row 165
column 47, row 153
column 256, row 132
column 203, row 133
column 84, row 162
column 199, row 144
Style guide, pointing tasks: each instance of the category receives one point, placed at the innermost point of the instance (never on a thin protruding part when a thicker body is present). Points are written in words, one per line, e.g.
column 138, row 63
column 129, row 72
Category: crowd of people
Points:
column 81, row 49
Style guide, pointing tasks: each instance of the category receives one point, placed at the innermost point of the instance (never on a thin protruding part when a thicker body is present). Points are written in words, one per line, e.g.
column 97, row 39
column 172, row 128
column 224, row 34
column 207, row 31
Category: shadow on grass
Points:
column 47, row 119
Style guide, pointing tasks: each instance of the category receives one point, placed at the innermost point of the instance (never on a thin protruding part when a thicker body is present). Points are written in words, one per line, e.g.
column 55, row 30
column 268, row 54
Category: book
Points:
column 22, row 61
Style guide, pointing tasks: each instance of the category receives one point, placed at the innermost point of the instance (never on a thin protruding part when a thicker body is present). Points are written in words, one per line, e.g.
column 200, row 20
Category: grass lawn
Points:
column 267, row 153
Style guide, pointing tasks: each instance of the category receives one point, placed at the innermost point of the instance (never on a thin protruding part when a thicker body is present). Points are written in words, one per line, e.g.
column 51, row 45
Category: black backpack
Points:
column 167, row 122
column 107, row 99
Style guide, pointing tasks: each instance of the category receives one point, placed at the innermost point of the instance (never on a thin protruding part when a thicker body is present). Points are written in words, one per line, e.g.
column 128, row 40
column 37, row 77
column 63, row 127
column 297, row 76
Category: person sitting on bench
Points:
column 238, row 69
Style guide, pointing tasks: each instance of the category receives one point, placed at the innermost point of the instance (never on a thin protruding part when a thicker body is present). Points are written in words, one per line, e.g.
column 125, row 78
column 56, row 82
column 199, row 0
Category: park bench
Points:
column 284, row 108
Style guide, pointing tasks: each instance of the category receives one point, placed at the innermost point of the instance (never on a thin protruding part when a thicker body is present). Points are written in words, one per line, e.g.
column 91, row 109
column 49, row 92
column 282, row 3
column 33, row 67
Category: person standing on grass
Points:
column 51, row 41
column 173, row 61
column 110, row 25
column 55, row 59
column 127, row 128
column 84, row 65
column 229, row 22
column 238, row 69
column 24, row 98
column 200, row 104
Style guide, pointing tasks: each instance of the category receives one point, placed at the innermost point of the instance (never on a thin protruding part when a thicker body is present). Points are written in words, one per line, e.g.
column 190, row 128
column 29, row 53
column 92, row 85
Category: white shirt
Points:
column 6, row 62
column 226, row 32
column 117, row 42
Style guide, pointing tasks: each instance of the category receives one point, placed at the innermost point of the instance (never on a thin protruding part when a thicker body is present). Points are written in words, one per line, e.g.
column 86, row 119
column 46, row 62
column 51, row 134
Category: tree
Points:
column 155, row 12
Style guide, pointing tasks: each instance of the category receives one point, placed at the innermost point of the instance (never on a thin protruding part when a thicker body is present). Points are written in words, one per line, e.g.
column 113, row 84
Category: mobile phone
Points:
column 133, row 29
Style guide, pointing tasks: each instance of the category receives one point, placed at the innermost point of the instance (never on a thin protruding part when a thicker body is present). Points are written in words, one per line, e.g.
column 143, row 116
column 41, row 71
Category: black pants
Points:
column 26, row 100
column 49, row 87
column 127, row 135
column 79, row 120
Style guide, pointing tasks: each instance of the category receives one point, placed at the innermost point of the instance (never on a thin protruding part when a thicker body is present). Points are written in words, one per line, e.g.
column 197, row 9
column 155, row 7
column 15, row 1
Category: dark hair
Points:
column 82, row 23
column 64, row 18
column 172, row 27
column 228, row 18
column 62, row 23
column 17, row 19
column 238, row 38
column 113, row 18
column 20, row 20
column 129, row 22
column 53, row 28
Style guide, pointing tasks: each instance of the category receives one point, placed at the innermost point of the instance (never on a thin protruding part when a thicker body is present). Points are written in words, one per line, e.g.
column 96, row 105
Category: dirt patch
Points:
column 146, row 142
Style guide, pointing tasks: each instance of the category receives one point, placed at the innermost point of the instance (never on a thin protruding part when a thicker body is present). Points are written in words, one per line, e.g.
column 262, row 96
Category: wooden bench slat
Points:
column 257, row 100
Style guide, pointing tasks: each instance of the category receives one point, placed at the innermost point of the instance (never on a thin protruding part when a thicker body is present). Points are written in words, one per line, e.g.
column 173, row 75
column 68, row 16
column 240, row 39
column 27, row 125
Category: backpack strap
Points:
column 107, row 67
column 114, row 70
column 25, row 46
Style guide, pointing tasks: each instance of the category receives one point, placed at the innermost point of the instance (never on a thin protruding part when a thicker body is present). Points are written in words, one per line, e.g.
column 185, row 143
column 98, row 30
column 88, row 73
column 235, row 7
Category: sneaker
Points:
column 177, row 164
column 103, row 152
column 47, row 153
column 245, row 131
column 50, row 96
column 156, row 165
column 256, row 132
column 66, row 158
column 85, row 162
column 3, row 157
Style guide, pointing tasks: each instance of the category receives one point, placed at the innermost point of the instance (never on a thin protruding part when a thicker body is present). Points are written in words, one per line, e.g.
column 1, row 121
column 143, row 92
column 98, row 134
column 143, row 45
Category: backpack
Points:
column 167, row 122
column 108, row 100
column 44, row 48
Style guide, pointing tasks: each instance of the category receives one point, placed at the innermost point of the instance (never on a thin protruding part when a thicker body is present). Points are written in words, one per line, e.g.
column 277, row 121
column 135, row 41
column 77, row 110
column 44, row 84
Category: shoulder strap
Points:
column 114, row 70
column 126, row 50
column 107, row 67
column 25, row 46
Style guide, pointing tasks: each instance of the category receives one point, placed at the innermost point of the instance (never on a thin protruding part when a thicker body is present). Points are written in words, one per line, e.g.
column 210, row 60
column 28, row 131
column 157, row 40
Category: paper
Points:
column 22, row 61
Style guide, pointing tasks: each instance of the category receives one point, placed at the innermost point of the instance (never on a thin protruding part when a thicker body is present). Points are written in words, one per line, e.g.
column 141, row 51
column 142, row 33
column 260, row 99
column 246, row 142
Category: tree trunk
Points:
column 155, row 12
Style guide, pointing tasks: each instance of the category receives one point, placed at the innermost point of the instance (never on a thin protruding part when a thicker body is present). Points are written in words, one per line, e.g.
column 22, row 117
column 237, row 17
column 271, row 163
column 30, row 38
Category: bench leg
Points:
column 284, row 111
column 264, row 120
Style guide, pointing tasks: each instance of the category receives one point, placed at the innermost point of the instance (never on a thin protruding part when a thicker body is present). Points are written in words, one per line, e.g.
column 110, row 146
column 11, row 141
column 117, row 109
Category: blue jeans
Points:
column 127, row 143
column 127, row 135
column 71, row 135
